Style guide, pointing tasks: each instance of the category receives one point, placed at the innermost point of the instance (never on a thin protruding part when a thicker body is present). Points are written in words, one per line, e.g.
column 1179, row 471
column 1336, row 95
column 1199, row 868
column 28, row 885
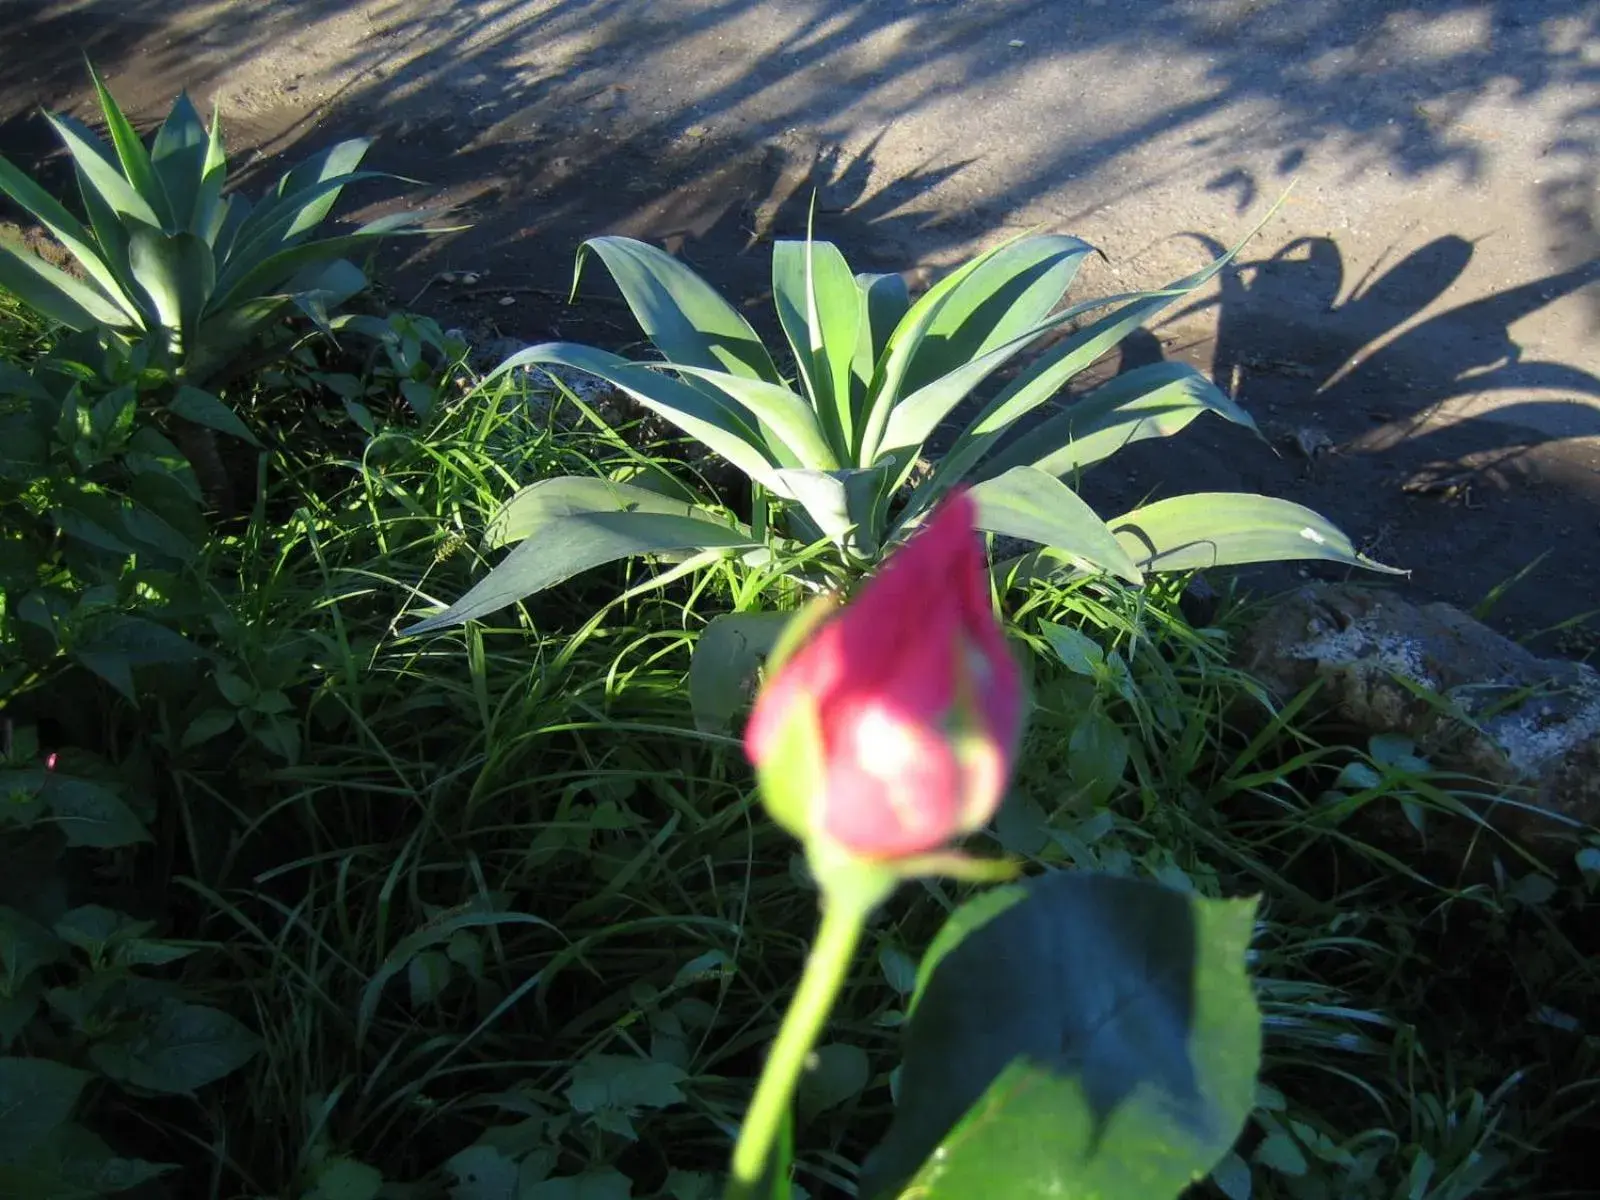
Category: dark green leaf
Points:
column 617, row 1081
column 112, row 645
column 203, row 408
column 1097, row 756
column 725, row 663
column 36, row 1098
column 1078, row 652
column 90, row 814
column 837, row 1072
column 178, row 157
column 1094, row 1029
column 185, row 1047
column 343, row 1178
column 603, row 1184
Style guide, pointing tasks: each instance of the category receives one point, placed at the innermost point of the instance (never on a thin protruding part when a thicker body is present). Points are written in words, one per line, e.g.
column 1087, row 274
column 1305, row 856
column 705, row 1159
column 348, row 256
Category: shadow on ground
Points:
column 549, row 120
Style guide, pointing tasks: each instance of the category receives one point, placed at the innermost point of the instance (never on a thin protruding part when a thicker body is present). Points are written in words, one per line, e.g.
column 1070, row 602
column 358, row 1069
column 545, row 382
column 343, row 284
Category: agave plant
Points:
column 173, row 265
column 831, row 453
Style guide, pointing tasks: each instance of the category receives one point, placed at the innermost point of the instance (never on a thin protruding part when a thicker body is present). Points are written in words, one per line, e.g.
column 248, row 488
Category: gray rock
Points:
column 1472, row 700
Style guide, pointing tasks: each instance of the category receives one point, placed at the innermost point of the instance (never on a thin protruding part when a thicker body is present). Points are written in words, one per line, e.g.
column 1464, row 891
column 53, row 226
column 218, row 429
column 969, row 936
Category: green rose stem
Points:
column 850, row 891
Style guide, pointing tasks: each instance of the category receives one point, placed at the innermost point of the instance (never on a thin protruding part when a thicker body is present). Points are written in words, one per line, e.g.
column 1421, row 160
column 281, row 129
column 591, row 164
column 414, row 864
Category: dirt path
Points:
column 1422, row 316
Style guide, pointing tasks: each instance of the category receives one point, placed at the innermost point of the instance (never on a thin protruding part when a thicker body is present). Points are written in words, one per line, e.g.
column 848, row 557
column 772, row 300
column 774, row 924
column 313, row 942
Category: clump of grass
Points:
column 492, row 902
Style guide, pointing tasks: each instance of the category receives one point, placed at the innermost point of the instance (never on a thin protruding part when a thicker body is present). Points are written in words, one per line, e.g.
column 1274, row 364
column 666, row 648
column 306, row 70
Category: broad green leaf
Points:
column 1095, row 1036
column 113, row 644
column 780, row 411
column 131, row 153
column 202, row 408
column 1078, row 652
column 602, row 1184
column 427, row 975
column 93, row 927
column 68, row 231
column 574, row 495
column 1215, row 529
column 1009, row 293
column 1028, row 504
column 91, row 814
column 707, row 416
column 181, row 1048
column 25, row 945
column 54, row 294
column 343, row 1178
column 1097, row 757
column 177, row 274
column 727, row 657
column 37, row 1096
column 100, row 173
column 624, row 1083
column 835, row 1073
column 681, row 314
column 178, row 157
column 819, row 307
column 565, row 546
column 1157, row 400
column 482, row 1172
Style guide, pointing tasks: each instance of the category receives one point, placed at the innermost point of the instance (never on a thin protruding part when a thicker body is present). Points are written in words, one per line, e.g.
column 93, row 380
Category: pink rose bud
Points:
column 891, row 729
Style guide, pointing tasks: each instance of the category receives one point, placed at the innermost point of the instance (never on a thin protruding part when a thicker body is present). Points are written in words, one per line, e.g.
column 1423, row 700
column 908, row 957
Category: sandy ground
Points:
column 1426, row 304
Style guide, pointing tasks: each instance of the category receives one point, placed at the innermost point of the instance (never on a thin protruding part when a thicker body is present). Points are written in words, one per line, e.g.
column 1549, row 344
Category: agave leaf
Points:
column 1026, row 503
column 1157, row 400
column 841, row 503
column 68, row 231
column 883, row 393
column 884, row 301
column 271, row 272
column 1010, row 292
column 1213, row 529
column 591, row 528
column 223, row 333
column 135, row 159
column 681, row 314
column 213, row 174
column 819, row 307
column 570, row 495
column 55, row 294
column 177, row 273
column 227, row 219
column 707, row 416
column 178, row 157
column 1049, row 373
column 97, row 171
column 259, row 238
column 779, row 410
column 337, row 160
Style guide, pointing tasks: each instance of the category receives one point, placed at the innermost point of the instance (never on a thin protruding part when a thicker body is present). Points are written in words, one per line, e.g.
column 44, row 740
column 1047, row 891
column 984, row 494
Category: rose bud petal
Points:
column 891, row 730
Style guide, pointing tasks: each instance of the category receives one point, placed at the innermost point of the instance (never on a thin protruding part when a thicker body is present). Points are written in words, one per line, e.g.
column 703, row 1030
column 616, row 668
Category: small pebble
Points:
column 469, row 278
column 1016, row 43
column 507, row 301
column 447, row 277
